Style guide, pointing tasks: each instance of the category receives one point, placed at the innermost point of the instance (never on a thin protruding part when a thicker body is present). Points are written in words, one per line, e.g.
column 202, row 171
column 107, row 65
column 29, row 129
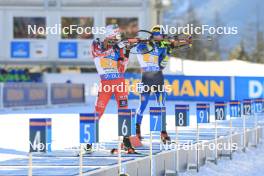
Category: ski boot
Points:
column 164, row 137
column 88, row 149
column 138, row 131
column 126, row 145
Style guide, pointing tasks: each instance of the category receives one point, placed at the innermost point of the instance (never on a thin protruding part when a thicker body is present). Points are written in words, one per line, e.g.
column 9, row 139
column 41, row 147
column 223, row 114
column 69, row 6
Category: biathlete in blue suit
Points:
column 152, row 64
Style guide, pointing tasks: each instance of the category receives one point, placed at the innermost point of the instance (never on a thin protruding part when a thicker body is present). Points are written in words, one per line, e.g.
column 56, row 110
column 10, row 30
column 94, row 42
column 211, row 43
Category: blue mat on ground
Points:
column 54, row 161
column 156, row 146
column 45, row 171
column 193, row 131
column 96, row 154
column 184, row 139
column 189, row 137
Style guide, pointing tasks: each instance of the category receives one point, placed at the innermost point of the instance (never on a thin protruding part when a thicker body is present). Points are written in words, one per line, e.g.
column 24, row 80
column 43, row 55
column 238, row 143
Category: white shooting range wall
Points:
column 164, row 161
column 53, row 10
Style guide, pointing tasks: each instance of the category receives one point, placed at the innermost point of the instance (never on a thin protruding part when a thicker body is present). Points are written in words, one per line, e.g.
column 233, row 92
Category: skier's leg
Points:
column 144, row 97
column 102, row 100
column 121, row 96
column 121, row 99
column 101, row 103
column 160, row 98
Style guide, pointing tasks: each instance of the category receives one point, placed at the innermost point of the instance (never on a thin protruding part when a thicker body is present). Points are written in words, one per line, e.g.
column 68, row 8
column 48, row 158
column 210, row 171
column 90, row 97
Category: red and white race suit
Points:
column 110, row 64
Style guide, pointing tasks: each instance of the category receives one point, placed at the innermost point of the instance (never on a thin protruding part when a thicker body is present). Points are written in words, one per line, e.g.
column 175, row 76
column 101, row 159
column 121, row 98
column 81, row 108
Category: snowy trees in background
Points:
column 248, row 45
column 239, row 53
column 258, row 53
column 202, row 49
column 251, row 46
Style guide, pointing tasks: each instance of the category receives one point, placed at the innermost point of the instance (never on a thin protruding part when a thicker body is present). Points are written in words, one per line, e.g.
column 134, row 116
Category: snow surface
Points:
column 243, row 164
column 14, row 124
column 14, row 131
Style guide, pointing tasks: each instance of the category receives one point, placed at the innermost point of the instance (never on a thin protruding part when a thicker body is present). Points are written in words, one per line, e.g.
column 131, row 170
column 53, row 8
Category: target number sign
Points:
column 220, row 111
column 157, row 118
column 89, row 126
column 235, row 108
column 182, row 115
column 126, row 122
column 247, row 107
column 203, row 113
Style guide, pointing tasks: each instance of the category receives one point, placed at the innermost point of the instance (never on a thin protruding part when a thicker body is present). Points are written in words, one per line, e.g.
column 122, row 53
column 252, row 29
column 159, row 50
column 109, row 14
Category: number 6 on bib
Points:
column 182, row 115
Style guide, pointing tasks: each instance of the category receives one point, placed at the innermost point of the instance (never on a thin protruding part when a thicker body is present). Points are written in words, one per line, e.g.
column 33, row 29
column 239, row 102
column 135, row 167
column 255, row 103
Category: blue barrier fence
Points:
column 35, row 94
column 24, row 94
column 180, row 88
column 67, row 93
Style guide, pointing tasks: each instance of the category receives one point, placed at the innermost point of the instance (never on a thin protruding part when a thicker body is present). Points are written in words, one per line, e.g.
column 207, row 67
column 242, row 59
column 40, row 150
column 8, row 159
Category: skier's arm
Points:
column 98, row 50
column 164, row 58
column 122, row 60
column 180, row 41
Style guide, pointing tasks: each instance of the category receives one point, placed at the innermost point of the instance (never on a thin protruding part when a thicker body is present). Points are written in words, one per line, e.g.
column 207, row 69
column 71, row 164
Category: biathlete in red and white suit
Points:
column 111, row 62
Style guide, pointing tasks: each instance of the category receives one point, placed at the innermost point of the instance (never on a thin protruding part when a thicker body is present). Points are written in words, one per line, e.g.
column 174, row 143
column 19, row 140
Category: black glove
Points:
column 127, row 53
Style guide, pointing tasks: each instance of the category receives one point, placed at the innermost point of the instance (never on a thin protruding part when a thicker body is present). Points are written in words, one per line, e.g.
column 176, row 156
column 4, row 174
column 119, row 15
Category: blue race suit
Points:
column 152, row 65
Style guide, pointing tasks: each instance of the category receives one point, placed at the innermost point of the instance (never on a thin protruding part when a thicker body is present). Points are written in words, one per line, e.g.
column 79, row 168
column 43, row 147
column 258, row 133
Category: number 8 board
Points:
column 182, row 115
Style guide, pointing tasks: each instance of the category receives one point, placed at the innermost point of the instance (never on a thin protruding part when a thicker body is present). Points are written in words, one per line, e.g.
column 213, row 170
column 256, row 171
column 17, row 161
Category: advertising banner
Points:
column 188, row 88
column 249, row 87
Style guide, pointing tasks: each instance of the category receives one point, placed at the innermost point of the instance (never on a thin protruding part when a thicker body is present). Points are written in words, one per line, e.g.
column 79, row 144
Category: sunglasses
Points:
column 156, row 33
